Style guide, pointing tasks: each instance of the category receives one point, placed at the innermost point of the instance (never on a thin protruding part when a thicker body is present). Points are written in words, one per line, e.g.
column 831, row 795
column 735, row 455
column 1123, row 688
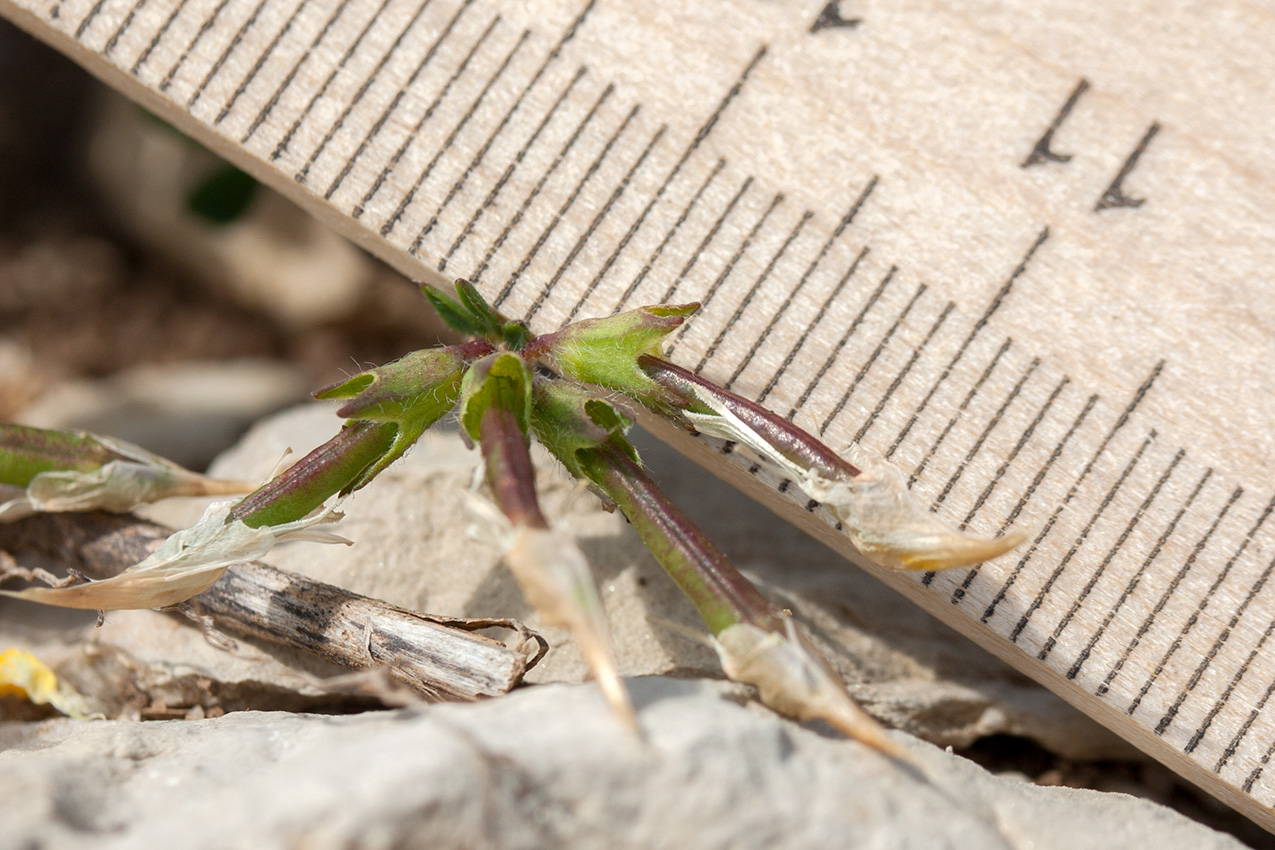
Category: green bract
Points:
column 501, row 380
column 411, row 393
column 605, row 352
column 567, row 418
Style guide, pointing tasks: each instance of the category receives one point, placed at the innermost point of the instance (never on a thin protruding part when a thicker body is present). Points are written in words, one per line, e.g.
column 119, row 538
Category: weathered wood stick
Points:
column 438, row 657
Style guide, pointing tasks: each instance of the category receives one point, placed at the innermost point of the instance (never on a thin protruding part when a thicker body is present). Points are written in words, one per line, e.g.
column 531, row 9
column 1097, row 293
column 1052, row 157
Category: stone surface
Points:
column 544, row 767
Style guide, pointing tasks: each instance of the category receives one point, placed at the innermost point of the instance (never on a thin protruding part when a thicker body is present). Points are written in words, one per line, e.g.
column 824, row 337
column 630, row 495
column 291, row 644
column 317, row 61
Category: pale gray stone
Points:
column 544, row 767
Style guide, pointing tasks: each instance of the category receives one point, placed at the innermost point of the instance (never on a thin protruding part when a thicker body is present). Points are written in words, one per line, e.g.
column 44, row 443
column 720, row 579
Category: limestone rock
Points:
column 544, row 767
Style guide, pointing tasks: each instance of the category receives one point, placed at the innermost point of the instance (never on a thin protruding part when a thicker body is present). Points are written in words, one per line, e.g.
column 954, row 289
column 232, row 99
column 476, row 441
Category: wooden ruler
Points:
column 1021, row 249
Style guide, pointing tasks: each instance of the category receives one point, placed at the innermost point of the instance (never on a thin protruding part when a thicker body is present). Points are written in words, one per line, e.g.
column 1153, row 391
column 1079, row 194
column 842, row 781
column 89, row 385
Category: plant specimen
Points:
column 569, row 390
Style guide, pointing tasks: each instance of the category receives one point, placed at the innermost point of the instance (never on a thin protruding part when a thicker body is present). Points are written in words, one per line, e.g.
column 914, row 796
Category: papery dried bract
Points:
column 130, row 476
column 875, row 508
column 187, row 563
column 794, row 679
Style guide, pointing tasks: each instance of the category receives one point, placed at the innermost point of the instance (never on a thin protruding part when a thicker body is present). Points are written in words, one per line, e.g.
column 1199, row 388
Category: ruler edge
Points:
column 731, row 472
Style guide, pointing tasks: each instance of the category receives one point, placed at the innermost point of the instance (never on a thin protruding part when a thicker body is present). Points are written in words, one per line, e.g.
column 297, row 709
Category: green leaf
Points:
column 455, row 315
column 223, row 196
column 478, row 307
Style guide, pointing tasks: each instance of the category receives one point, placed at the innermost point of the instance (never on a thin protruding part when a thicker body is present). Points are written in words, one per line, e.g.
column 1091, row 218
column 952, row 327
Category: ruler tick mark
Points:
column 567, row 204
column 850, row 331
column 696, row 141
column 406, row 202
column 540, row 184
column 509, row 170
column 1168, row 592
column 947, row 311
column 1080, row 539
column 982, row 321
column 282, row 147
column 397, row 156
column 1138, row 396
column 478, row 157
column 359, row 93
column 716, row 286
column 872, row 358
column 845, row 222
column 958, row 593
column 1136, row 579
column 960, row 410
column 671, row 232
column 194, row 42
column 601, row 215
column 1172, row 712
column 286, row 82
column 752, row 290
column 1111, row 554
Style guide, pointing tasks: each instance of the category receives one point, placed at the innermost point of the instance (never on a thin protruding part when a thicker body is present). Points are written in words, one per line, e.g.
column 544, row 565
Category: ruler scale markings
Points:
column 282, row 147
column 948, row 310
column 540, row 184
column 1129, row 528
column 928, row 578
column 483, row 149
column 1136, row 579
column 1080, row 539
column 567, row 204
column 393, row 105
column 415, row 132
column 88, row 19
column 959, row 411
column 1168, row 592
column 824, row 308
column 1172, row 712
column 397, row 215
column 1220, row 703
column 696, row 141
column 1266, row 757
column 286, row 82
column 708, row 238
column 1231, row 748
column 845, row 222
column 156, row 38
column 499, row 185
column 845, row 337
column 752, row 290
column 979, row 324
column 872, row 358
column 225, row 54
column 1138, row 396
column 996, row 419
column 620, row 188
column 262, row 58
column 203, row 30
column 359, row 93
column 671, row 232
column 959, row 592
column 707, row 297
column 123, row 27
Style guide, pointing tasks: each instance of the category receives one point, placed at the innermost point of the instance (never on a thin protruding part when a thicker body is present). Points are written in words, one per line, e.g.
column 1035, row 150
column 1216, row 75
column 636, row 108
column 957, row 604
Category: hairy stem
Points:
column 794, row 443
column 331, row 468
column 719, row 592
